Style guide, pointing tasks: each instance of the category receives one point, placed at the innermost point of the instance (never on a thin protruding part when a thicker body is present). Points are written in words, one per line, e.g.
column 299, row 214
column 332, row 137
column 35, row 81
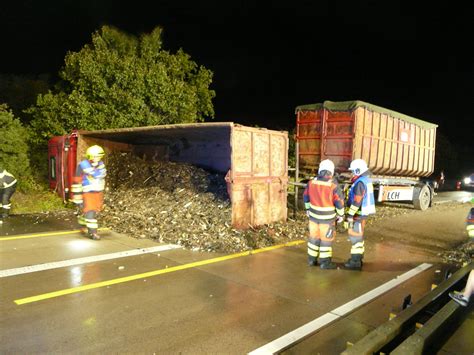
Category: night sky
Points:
column 270, row 56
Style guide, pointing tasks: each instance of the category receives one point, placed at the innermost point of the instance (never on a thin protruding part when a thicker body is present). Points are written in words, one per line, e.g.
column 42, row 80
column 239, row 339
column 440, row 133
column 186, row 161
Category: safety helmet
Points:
column 358, row 166
column 327, row 165
column 94, row 151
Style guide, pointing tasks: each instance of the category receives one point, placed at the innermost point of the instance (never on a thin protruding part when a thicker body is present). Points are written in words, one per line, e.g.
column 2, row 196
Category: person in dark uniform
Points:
column 7, row 189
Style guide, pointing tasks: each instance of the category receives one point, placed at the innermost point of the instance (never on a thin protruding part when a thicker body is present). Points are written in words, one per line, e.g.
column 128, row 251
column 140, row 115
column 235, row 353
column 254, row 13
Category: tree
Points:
column 119, row 80
column 21, row 91
column 13, row 145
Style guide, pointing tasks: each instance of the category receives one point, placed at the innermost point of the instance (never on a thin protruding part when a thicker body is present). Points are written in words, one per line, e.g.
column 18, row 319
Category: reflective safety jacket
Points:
column 92, row 178
column 323, row 199
column 6, row 179
column 361, row 201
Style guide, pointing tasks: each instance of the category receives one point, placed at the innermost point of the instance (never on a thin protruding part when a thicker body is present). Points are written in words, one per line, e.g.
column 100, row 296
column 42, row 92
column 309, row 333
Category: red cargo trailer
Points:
column 398, row 149
column 254, row 159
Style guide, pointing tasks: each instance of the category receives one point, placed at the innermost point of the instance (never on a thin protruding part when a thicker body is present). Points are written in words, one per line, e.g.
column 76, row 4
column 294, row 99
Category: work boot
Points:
column 94, row 236
column 327, row 264
column 354, row 263
column 312, row 261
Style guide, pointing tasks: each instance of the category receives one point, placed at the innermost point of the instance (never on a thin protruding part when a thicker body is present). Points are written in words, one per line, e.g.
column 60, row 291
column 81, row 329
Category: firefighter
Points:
column 360, row 204
column 470, row 222
column 7, row 189
column 88, row 189
column 324, row 203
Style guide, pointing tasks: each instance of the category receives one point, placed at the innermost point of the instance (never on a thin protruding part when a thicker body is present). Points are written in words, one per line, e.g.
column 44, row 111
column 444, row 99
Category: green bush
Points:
column 36, row 201
column 14, row 147
column 119, row 81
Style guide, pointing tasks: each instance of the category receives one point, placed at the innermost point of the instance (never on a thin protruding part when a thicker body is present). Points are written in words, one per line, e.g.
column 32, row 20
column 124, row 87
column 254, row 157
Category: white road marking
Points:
column 88, row 259
column 296, row 335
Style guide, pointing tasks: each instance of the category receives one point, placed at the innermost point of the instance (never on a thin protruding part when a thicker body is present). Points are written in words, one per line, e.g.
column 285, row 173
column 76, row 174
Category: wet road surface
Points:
column 180, row 301
column 450, row 196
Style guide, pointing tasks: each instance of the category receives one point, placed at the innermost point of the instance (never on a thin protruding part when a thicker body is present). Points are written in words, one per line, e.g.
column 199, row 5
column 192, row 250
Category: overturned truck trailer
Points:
column 254, row 159
column 398, row 149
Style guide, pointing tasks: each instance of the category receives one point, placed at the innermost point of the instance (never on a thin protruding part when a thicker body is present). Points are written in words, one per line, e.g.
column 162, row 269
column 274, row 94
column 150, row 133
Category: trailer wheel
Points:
column 422, row 197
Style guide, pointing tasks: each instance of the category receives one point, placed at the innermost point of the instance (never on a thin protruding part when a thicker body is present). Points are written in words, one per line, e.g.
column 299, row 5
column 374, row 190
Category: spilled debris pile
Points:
column 181, row 204
column 463, row 254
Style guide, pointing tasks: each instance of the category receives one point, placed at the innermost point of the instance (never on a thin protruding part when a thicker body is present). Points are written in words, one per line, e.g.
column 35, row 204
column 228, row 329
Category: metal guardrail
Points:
column 386, row 333
column 416, row 343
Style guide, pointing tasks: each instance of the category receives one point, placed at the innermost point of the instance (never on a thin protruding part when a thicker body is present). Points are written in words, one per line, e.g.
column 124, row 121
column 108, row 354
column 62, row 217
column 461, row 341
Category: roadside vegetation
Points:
column 36, row 201
column 115, row 81
column 14, row 145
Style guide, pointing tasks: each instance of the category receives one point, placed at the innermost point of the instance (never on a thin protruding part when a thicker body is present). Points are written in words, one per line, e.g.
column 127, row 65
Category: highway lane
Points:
column 233, row 305
column 183, row 301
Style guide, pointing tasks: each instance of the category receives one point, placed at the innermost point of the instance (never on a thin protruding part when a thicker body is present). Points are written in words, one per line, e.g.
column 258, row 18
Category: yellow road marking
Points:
column 149, row 274
column 48, row 234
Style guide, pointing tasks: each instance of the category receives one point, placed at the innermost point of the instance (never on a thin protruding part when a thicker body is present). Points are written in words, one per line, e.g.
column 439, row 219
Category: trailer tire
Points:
column 422, row 197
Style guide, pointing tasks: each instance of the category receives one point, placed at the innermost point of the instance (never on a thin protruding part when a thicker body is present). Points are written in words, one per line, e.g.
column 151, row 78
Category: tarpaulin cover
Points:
column 352, row 105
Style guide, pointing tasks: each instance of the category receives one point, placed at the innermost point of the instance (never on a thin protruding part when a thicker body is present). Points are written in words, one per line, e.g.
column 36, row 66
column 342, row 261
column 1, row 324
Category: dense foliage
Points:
column 13, row 145
column 21, row 91
column 119, row 80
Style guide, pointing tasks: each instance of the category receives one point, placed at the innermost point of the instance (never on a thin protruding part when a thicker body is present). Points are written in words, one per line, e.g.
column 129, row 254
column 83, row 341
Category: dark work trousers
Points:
column 5, row 196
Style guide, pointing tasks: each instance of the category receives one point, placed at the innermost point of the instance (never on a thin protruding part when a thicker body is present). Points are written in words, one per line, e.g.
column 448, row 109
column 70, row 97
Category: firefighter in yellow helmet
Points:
column 88, row 188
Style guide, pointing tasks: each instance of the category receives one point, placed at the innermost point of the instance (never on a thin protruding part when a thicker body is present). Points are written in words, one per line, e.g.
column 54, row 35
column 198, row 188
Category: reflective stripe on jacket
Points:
column 6, row 179
column 93, row 178
column 323, row 199
column 367, row 204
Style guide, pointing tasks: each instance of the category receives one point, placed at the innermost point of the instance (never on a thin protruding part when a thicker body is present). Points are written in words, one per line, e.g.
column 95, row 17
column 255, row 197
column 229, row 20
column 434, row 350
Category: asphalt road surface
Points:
column 64, row 293
column 449, row 196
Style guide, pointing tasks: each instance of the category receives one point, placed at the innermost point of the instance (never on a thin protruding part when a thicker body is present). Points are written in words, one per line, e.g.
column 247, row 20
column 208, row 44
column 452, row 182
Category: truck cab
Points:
column 62, row 151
